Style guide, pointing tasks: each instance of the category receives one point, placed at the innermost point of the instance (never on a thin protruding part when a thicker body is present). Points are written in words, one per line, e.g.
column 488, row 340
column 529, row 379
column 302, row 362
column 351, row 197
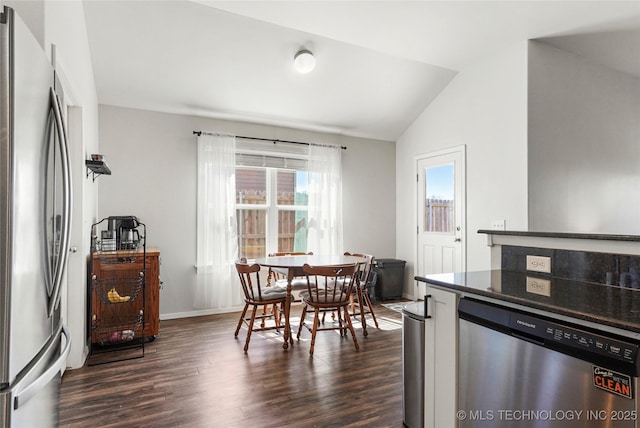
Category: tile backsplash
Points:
column 602, row 268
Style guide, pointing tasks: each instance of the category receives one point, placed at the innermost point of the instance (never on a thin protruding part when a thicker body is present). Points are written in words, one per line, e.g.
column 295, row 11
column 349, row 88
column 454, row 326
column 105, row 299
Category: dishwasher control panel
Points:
column 547, row 331
column 574, row 337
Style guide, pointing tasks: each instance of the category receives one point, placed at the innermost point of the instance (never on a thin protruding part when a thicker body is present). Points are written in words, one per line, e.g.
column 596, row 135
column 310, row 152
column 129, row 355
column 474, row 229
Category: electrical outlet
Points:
column 538, row 286
column 539, row 264
column 498, row 224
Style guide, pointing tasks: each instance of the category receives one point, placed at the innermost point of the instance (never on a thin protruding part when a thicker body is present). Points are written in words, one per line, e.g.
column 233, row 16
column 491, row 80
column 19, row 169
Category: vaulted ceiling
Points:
column 379, row 63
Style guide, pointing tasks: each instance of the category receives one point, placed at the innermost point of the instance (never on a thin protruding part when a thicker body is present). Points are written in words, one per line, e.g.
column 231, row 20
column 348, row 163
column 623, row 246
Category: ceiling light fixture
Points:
column 304, row 61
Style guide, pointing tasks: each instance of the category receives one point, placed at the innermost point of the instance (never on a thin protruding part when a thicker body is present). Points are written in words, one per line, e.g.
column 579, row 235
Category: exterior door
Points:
column 441, row 213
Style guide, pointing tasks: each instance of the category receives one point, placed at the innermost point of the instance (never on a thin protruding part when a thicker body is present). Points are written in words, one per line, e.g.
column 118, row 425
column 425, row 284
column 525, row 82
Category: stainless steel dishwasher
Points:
column 413, row 365
column 520, row 369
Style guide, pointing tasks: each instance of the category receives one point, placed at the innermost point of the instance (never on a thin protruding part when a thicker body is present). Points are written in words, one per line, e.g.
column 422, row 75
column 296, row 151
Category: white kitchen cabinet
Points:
column 441, row 355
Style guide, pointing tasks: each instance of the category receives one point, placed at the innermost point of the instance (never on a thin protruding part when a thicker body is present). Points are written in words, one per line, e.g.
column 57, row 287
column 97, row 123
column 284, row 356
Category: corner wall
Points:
column 584, row 145
column 485, row 108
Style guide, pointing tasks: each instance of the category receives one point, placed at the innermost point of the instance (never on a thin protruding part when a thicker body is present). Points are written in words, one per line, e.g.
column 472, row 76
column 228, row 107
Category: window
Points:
column 256, row 198
column 438, row 199
column 272, row 210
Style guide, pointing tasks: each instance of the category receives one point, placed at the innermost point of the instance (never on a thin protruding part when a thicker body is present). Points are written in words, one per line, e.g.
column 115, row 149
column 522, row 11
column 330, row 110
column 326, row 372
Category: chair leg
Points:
column 244, row 312
column 347, row 315
column 253, row 318
column 277, row 316
column 373, row 315
column 304, row 313
column 316, row 318
column 363, row 320
column 265, row 309
column 353, row 333
column 341, row 328
column 352, row 303
column 283, row 312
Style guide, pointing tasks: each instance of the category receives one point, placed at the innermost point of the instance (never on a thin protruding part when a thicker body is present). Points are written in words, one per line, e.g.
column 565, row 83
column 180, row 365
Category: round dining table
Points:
column 293, row 265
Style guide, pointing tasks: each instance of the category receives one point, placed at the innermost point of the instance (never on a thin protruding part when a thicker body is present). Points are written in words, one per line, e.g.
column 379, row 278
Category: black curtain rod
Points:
column 274, row 141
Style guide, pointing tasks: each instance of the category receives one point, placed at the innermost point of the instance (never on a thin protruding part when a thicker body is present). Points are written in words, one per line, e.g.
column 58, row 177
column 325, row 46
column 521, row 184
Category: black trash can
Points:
column 390, row 281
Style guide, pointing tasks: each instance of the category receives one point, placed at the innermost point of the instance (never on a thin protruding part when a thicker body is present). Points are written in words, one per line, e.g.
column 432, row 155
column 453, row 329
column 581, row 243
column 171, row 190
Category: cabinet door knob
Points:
column 457, row 240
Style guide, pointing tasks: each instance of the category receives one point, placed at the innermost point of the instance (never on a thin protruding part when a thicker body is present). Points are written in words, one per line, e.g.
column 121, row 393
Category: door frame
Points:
column 462, row 150
column 74, row 299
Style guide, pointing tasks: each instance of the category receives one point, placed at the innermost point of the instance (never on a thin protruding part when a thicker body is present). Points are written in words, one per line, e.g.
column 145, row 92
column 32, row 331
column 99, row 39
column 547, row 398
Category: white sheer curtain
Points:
column 325, row 200
column 217, row 283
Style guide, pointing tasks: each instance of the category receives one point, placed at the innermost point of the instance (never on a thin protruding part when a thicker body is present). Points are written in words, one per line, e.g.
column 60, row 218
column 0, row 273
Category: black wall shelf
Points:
column 97, row 168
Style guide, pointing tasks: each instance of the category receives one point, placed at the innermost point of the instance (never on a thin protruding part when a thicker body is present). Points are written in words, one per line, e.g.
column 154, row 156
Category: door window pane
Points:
column 439, row 199
column 251, row 186
column 252, row 233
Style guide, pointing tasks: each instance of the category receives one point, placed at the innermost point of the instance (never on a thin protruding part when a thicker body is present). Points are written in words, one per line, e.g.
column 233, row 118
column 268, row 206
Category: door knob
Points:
column 457, row 240
column 73, row 249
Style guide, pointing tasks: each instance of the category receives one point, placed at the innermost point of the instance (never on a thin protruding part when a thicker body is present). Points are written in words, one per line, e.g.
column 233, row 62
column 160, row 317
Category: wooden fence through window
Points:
column 252, row 224
column 438, row 215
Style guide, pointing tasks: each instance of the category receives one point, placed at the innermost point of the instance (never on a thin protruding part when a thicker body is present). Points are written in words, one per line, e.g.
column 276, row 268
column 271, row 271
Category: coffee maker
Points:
column 125, row 229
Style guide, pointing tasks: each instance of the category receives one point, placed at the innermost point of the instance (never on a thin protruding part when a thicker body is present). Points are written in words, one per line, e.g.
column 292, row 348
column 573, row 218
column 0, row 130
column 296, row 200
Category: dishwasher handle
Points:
column 484, row 314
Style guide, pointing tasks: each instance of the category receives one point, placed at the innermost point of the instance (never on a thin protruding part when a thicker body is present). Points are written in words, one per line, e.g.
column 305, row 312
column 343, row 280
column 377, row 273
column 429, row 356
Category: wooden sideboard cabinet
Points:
column 135, row 276
column 152, row 318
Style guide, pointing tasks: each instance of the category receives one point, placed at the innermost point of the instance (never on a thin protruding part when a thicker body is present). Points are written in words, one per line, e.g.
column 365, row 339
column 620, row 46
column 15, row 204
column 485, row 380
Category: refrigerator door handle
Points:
column 6, row 171
column 22, row 395
column 66, row 205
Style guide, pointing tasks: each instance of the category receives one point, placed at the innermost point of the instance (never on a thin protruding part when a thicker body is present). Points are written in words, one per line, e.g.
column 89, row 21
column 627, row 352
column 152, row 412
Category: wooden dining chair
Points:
column 256, row 295
column 322, row 295
column 278, row 277
column 360, row 297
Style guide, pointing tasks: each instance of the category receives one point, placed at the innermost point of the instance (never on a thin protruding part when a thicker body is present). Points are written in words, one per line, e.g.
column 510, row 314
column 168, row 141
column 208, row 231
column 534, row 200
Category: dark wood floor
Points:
column 196, row 375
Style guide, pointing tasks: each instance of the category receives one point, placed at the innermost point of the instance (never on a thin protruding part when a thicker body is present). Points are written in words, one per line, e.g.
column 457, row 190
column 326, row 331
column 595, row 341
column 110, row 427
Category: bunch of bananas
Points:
column 115, row 297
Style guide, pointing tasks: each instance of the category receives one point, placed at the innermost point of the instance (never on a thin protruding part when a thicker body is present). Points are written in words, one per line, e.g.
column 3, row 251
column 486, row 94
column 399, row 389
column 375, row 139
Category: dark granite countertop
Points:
column 565, row 235
column 613, row 306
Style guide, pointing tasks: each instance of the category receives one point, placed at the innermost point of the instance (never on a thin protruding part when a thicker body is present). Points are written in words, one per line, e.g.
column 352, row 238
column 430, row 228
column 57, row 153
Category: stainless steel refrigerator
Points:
column 35, row 202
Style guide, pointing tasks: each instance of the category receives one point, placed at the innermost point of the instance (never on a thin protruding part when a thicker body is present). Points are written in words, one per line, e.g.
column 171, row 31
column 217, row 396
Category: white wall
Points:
column 153, row 161
column 32, row 13
column 62, row 24
column 484, row 107
column 584, row 145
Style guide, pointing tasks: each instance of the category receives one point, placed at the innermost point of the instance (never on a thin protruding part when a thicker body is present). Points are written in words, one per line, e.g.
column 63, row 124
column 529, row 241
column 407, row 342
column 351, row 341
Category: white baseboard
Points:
column 199, row 313
column 408, row 296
